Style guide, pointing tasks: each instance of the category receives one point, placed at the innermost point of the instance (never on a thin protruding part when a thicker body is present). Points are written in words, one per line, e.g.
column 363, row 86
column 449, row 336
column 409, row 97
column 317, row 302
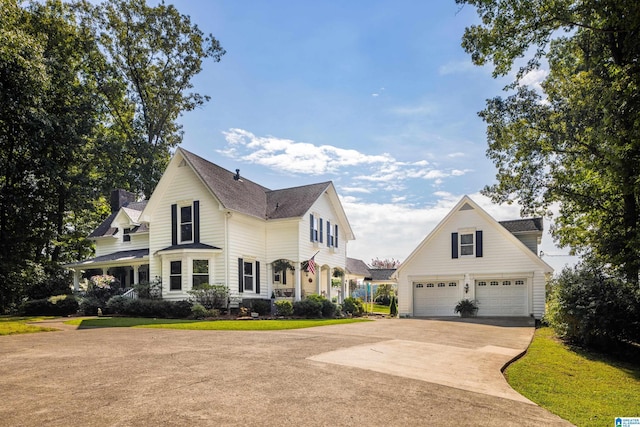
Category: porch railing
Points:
column 284, row 292
column 131, row 293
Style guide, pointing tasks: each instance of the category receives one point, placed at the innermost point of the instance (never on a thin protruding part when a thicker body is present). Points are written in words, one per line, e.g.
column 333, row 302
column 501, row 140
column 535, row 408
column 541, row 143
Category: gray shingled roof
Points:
column 253, row 199
column 293, row 202
column 116, row 256
column 189, row 246
column 523, row 225
column 357, row 267
column 381, row 274
column 105, row 228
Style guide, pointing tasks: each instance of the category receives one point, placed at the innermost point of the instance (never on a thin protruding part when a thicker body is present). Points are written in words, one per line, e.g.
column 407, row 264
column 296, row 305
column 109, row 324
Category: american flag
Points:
column 311, row 265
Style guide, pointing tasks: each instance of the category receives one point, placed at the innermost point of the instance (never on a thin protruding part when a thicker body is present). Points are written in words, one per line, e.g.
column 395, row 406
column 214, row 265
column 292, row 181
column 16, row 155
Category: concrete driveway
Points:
column 387, row 372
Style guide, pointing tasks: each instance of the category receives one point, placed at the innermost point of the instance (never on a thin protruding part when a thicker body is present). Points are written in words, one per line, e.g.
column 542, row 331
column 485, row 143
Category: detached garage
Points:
column 470, row 255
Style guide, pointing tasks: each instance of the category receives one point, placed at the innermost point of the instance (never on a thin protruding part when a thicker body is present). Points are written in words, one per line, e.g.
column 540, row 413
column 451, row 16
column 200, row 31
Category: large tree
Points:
column 157, row 52
column 576, row 142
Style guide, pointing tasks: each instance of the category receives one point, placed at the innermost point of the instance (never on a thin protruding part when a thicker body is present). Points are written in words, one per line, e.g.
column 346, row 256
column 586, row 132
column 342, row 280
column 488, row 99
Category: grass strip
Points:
column 585, row 388
column 12, row 325
column 208, row 325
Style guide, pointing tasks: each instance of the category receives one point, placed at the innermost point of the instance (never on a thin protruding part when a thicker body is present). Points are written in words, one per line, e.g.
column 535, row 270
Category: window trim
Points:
column 126, row 235
column 200, row 275
column 172, row 275
column 182, row 223
column 467, row 245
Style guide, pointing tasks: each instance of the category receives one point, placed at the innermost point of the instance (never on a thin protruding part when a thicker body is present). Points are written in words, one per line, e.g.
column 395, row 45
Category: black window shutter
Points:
column 320, row 231
column 454, row 245
column 311, row 227
column 479, row 243
column 174, row 224
column 240, row 275
column 196, row 221
column 257, row 277
column 328, row 233
column 336, row 237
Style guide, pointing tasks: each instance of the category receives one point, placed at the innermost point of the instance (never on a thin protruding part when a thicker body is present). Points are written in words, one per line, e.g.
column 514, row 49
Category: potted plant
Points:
column 466, row 308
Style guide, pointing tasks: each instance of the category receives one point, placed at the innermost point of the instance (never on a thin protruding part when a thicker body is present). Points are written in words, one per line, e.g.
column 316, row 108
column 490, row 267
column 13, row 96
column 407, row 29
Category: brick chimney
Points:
column 120, row 198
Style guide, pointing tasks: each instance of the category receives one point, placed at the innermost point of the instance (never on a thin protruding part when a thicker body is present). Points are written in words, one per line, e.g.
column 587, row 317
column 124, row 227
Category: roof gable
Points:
column 466, row 204
column 131, row 210
column 239, row 194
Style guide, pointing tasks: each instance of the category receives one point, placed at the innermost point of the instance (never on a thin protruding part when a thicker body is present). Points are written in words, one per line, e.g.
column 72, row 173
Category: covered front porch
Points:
column 128, row 267
column 296, row 280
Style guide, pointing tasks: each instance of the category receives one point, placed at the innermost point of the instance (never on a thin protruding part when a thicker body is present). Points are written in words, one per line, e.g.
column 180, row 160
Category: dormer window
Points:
column 126, row 236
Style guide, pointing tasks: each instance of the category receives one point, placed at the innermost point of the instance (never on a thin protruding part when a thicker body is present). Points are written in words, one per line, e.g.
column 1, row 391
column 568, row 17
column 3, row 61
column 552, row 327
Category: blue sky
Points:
column 376, row 96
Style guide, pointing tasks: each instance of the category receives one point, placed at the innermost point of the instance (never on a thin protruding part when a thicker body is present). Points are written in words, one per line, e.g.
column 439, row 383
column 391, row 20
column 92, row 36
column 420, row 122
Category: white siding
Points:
column 502, row 257
column 183, row 186
column 109, row 245
column 247, row 240
column 333, row 257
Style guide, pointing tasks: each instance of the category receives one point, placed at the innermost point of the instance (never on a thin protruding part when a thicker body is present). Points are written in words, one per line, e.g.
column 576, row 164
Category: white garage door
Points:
column 435, row 298
column 504, row 297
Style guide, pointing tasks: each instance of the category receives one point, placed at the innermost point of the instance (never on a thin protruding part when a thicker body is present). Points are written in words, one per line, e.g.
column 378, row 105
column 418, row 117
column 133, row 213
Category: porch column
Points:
column 329, row 283
column 76, row 280
column 342, row 288
column 136, row 278
column 298, row 296
column 104, row 271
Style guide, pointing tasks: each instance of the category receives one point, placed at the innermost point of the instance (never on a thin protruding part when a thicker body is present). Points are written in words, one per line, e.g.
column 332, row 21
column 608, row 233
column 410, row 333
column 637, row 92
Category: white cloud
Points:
column 379, row 172
column 534, row 78
column 454, row 155
column 295, row 157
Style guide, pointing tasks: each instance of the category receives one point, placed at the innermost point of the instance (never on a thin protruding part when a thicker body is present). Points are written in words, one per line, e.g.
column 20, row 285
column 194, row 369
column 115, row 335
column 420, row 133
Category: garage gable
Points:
column 466, row 246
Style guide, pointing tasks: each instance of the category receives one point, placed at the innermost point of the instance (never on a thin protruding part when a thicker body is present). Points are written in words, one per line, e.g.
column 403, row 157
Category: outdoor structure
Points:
column 204, row 224
column 470, row 255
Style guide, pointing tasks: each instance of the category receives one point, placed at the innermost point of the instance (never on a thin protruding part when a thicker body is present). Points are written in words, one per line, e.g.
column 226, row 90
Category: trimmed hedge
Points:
column 149, row 307
column 60, row 305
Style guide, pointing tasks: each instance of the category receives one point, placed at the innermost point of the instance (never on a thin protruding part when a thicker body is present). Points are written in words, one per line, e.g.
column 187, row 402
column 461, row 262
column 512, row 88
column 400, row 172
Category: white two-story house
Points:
column 205, row 224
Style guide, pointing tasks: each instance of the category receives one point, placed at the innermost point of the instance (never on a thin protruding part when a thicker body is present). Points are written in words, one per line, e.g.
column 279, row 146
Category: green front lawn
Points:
column 375, row 308
column 207, row 325
column 587, row 389
column 18, row 325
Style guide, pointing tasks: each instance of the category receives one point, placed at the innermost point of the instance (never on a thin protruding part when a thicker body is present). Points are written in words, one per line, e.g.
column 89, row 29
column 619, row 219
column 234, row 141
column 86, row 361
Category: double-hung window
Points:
column 248, row 276
column 126, row 236
column 466, row 244
column 200, row 273
column 186, row 224
column 175, row 276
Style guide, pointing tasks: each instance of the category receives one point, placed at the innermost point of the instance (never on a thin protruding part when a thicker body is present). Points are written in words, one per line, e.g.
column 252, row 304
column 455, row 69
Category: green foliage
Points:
column 198, row 311
column 284, row 308
column 147, row 307
column 576, row 143
column 466, row 307
column 60, row 305
column 102, row 288
column 261, row 306
column 353, row 306
column 156, row 52
column 210, row 296
column 89, row 102
column 393, row 307
column 589, row 307
column 149, row 290
column 383, row 294
column 89, row 306
column 310, row 307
